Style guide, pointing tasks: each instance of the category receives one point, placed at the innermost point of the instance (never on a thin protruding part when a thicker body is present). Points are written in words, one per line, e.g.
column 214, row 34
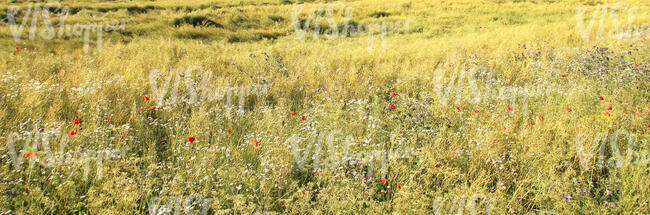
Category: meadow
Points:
column 325, row 107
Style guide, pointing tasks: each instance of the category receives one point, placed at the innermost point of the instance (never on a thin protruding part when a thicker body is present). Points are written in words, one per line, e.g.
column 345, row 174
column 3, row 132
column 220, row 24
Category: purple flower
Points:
column 607, row 192
column 567, row 197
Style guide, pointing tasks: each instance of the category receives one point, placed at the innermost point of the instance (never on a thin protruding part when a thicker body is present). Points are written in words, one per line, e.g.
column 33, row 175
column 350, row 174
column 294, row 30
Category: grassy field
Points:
column 372, row 107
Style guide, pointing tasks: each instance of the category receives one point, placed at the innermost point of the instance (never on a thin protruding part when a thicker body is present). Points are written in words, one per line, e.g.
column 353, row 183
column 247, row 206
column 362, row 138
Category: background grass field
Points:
column 539, row 86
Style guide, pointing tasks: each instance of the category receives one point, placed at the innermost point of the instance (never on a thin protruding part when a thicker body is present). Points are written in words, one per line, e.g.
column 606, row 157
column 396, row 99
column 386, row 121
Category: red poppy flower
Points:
column 531, row 124
column 509, row 108
column 563, row 76
column 293, row 113
column 570, row 35
column 383, row 181
column 16, row 48
column 153, row 107
column 457, row 108
column 609, row 107
column 476, row 111
column 399, row 185
column 146, row 98
column 517, row 122
column 392, row 107
column 504, row 127
column 122, row 40
column 72, row 132
column 29, row 154
column 393, row 95
column 76, row 121
column 541, row 118
column 191, row 139
column 268, row 131
column 140, row 110
column 255, row 143
column 630, row 45
column 228, row 130
column 437, row 165
column 302, row 117
column 601, row 98
column 105, row 118
column 490, row 163
column 607, row 114
column 569, row 109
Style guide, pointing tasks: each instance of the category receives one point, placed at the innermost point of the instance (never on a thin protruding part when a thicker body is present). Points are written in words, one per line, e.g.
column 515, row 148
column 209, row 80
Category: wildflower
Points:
column 29, row 154
column 457, row 108
column 570, row 35
column 191, row 139
column 392, row 107
column 16, row 48
column 607, row 192
column 153, row 107
column 76, row 121
column 146, row 98
column 72, row 132
column 609, row 107
column 399, row 186
column 121, row 40
column 255, row 143
column 105, row 118
column 541, row 118
column 393, row 95
column 509, row 108
column 302, row 117
column 607, row 114
column 293, row 113
column 383, row 181
column 569, row 109
column 601, row 98
column 437, row 165
column 476, row 111
column 563, row 76
column 268, row 131
column 228, row 130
